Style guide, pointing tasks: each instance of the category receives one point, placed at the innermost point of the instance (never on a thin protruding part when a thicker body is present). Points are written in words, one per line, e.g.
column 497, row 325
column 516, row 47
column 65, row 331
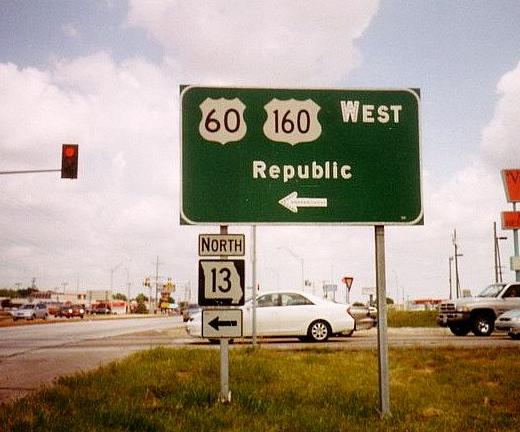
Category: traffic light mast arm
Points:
column 69, row 163
column 30, row 171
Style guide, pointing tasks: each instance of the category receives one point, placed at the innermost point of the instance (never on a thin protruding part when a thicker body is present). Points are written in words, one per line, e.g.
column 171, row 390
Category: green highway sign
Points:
column 298, row 156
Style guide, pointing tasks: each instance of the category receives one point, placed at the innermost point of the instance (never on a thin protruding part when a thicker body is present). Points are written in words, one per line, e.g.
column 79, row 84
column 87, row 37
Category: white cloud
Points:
column 124, row 205
column 257, row 42
column 70, row 30
column 500, row 138
column 470, row 202
column 122, row 115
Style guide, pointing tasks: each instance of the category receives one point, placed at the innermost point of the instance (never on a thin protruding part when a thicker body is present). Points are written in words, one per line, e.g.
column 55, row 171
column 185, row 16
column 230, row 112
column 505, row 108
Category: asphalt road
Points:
column 32, row 356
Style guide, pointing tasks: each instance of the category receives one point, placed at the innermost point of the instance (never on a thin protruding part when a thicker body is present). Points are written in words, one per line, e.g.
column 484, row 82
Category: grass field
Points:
column 397, row 318
column 311, row 390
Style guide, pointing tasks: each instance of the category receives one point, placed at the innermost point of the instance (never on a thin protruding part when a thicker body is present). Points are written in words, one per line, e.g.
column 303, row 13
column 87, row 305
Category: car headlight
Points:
column 516, row 319
column 462, row 309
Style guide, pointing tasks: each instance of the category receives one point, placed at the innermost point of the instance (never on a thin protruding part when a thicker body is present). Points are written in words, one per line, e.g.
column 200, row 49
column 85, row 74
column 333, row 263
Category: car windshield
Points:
column 491, row 290
column 28, row 306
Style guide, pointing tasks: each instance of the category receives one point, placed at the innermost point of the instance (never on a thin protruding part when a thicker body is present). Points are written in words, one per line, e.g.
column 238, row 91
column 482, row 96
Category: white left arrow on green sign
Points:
column 292, row 202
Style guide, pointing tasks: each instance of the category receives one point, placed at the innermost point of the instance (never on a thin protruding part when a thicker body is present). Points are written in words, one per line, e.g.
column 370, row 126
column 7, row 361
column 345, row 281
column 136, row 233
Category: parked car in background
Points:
column 510, row 323
column 364, row 316
column 31, row 311
column 301, row 315
column 54, row 308
column 72, row 311
column 101, row 308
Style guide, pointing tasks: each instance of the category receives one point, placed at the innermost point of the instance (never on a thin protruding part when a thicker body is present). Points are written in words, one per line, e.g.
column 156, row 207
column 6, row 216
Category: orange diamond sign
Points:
column 511, row 178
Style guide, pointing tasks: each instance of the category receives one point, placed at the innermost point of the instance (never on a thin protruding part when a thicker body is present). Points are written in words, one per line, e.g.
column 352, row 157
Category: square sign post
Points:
column 304, row 156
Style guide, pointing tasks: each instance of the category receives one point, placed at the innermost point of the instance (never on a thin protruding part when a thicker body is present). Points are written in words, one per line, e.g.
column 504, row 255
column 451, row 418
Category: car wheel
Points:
column 483, row 324
column 348, row 334
column 459, row 330
column 319, row 331
column 45, row 317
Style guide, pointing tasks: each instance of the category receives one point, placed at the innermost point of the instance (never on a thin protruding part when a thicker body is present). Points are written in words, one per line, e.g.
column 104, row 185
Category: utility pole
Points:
column 65, row 291
column 498, row 261
column 156, row 282
column 451, row 286
column 456, row 255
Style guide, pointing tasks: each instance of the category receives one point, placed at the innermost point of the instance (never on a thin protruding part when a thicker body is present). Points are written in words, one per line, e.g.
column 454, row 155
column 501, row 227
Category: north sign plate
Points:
column 222, row 244
column 297, row 156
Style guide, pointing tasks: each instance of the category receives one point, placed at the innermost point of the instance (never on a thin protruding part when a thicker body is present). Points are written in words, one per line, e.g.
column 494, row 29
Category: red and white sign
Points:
column 511, row 220
column 511, row 179
column 347, row 280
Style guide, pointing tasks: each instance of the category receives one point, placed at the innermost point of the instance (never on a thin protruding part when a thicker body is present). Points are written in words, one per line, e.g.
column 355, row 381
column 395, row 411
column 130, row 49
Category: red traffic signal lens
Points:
column 69, row 151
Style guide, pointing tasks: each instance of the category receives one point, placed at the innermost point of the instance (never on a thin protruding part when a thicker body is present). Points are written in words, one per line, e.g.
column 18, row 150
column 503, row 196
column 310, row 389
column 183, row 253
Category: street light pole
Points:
column 300, row 259
column 112, row 270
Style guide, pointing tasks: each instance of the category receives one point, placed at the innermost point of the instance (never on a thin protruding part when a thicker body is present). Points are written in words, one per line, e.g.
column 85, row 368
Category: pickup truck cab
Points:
column 478, row 314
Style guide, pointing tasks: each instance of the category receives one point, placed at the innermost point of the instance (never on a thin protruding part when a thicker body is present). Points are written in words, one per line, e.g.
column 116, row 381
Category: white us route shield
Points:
column 222, row 120
column 292, row 121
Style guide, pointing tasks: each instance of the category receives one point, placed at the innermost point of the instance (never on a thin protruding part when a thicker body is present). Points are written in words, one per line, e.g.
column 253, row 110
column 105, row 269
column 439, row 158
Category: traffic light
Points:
column 69, row 161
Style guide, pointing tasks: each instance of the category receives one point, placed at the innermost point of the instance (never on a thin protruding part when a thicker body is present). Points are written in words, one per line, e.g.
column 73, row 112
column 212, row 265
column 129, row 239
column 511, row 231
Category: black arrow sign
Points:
column 215, row 323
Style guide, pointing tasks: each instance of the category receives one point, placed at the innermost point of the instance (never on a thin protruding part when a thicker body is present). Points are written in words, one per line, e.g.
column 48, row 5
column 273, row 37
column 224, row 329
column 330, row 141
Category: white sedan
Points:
column 302, row 315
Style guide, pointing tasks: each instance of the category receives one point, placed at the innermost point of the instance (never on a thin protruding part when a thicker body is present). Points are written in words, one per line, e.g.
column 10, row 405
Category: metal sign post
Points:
column 225, row 393
column 382, row 338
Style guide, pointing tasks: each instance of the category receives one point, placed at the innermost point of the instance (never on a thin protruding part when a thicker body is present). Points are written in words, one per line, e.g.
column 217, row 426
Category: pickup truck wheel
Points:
column 483, row 324
column 459, row 330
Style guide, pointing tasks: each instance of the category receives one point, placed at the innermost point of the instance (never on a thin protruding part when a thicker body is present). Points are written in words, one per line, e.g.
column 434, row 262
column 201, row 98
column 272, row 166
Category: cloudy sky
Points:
column 106, row 74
